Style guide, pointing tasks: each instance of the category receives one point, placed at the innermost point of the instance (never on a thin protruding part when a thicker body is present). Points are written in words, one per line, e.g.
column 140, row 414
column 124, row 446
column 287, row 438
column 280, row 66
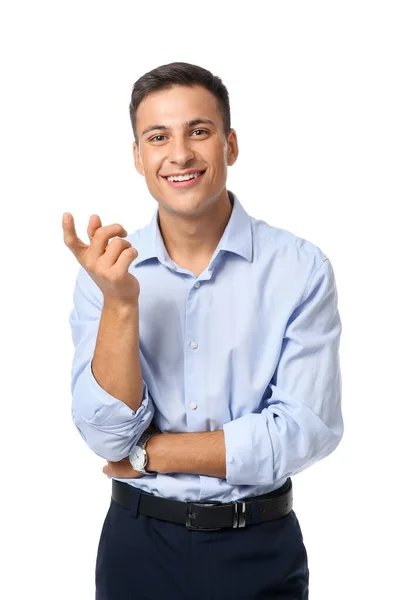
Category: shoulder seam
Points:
column 311, row 277
column 295, row 241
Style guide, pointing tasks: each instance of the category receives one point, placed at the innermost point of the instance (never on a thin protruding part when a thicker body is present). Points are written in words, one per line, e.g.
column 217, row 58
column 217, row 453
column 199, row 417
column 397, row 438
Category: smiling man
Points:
column 183, row 149
column 206, row 367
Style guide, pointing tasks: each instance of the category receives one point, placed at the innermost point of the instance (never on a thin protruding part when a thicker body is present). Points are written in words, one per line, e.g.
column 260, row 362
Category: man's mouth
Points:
column 184, row 181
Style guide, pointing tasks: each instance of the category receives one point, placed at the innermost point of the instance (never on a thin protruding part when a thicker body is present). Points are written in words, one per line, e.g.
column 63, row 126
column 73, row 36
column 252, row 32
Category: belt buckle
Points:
column 190, row 516
column 239, row 517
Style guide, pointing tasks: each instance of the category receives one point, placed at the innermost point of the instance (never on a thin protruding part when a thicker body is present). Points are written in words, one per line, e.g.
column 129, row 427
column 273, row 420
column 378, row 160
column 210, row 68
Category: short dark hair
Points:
column 179, row 73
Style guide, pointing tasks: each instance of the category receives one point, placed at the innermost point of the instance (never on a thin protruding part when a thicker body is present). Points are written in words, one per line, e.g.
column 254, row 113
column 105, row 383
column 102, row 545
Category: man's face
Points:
column 176, row 146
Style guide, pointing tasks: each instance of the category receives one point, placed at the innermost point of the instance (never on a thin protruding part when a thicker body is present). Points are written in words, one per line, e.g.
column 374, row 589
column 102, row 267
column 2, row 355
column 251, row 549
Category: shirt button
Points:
column 197, row 284
column 193, row 405
column 194, row 344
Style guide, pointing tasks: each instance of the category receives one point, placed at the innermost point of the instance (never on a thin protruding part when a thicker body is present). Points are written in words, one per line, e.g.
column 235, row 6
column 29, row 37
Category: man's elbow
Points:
column 332, row 441
column 109, row 445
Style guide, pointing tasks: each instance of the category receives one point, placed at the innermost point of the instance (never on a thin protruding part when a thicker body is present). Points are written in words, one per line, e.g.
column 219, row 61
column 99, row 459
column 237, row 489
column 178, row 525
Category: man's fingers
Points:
column 122, row 469
column 126, row 257
column 71, row 240
column 94, row 224
column 98, row 242
column 101, row 237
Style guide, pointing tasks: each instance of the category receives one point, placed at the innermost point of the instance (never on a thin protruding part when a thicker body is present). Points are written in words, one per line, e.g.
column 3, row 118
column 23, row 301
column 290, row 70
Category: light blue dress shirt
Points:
column 251, row 346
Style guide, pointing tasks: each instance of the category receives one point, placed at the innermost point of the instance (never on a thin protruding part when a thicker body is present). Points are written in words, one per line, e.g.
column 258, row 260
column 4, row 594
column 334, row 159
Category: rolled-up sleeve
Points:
column 301, row 421
column 107, row 425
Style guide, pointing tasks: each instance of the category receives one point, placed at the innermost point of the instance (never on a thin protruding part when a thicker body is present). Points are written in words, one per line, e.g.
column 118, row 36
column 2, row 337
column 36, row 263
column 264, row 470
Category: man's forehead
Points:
column 178, row 105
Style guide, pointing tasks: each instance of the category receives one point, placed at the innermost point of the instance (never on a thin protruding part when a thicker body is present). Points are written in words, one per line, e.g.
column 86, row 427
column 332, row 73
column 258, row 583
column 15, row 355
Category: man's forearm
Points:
column 116, row 361
column 199, row 453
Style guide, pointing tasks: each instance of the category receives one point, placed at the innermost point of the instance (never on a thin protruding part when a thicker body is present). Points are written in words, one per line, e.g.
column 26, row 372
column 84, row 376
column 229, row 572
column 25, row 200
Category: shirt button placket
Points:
column 193, row 404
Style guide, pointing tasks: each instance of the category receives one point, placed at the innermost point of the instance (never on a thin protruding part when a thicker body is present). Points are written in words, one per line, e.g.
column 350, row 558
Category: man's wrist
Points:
column 154, row 464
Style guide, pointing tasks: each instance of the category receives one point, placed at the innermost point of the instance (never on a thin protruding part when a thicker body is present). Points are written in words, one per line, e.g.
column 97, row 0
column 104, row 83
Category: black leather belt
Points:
column 207, row 516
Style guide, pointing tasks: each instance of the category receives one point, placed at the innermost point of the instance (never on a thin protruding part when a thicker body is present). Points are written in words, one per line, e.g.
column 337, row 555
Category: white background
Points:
column 314, row 90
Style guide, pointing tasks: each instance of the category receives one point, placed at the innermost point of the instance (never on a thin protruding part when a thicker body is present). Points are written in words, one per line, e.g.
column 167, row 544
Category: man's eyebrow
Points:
column 191, row 123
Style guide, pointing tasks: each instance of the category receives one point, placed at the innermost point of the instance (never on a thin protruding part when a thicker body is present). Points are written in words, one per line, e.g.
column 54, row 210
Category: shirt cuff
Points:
column 108, row 409
column 108, row 426
column 248, row 451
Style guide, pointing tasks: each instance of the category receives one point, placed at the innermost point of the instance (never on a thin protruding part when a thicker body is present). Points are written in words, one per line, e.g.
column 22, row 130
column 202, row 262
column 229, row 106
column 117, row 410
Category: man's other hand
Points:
column 121, row 469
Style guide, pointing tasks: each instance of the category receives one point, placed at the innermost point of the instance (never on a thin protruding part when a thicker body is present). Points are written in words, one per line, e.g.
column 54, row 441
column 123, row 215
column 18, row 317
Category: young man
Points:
column 207, row 344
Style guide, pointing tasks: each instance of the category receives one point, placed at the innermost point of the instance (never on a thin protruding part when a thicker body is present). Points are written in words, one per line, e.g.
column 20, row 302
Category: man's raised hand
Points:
column 106, row 263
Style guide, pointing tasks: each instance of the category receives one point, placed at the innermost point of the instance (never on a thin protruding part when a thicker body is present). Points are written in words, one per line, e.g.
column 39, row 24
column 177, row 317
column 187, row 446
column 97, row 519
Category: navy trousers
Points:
column 142, row 558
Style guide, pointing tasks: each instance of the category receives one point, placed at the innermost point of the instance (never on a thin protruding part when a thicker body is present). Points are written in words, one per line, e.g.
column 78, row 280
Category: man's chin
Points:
column 183, row 205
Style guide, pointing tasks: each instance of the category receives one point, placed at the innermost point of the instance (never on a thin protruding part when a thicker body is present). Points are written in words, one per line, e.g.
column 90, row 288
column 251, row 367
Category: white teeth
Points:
column 184, row 177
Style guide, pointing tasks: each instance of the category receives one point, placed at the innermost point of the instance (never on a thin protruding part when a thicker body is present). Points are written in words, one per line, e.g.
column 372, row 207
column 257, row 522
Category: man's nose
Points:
column 180, row 151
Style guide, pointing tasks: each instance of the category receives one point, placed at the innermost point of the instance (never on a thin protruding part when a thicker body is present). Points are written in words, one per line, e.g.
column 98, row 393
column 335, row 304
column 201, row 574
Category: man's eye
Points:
column 156, row 136
column 203, row 130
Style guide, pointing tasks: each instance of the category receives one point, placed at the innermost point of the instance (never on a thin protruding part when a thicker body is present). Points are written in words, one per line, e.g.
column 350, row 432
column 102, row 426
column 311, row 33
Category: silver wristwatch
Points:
column 138, row 456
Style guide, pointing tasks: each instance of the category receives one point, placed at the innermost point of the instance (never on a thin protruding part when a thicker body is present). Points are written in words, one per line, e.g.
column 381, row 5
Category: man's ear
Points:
column 138, row 160
column 233, row 148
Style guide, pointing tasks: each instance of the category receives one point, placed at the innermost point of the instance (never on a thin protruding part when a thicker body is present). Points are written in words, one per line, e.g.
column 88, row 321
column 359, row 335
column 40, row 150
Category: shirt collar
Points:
column 237, row 237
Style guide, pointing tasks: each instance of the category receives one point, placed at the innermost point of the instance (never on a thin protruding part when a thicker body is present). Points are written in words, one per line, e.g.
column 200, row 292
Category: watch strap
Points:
column 144, row 438
column 142, row 441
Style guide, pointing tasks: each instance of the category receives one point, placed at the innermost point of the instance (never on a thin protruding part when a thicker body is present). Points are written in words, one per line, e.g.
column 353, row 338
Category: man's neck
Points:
column 193, row 241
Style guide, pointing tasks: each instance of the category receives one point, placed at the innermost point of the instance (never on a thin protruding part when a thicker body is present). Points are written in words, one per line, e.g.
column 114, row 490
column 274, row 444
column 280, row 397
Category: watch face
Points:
column 138, row 458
